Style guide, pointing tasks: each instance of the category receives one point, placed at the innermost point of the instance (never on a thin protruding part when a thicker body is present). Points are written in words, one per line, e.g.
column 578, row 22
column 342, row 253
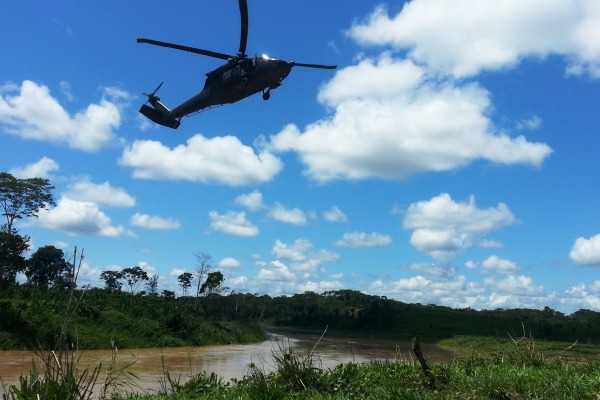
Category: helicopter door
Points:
column 233, row 75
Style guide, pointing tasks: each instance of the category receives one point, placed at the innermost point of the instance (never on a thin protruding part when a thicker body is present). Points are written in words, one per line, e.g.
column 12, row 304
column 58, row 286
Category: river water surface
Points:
column 230, row 361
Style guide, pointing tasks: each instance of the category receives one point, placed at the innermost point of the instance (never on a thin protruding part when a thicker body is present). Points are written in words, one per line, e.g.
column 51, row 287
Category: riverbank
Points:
column 294, row 371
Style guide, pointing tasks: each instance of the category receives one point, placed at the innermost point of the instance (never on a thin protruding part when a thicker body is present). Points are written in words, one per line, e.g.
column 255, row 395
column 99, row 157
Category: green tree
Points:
column 213, row 283
column 152, row 284
column 112, row 279
column 12, row 247
column 185, row 281
column 47, row 268
column 134, row 277
column 23, row 198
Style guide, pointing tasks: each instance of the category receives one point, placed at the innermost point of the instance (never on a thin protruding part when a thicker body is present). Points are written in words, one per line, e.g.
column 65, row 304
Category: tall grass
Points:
column 519, row 371
column 60, row 374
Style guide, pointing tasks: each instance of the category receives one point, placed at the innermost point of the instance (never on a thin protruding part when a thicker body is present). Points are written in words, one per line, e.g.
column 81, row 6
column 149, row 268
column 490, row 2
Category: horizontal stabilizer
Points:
column 159, row 118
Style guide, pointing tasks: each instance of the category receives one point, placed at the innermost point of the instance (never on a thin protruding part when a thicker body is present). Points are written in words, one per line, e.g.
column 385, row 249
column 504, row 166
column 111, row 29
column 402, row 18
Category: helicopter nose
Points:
column 284, row 67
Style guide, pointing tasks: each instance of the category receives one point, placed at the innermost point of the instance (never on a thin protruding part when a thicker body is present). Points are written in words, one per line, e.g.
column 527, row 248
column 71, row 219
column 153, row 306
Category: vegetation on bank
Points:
column 30, row 315
column 500, row 376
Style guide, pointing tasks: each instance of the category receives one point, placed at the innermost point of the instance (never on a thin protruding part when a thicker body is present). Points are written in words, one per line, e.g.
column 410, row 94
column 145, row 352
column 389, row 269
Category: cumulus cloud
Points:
column 229, row 262
column 436, row 127
column 363, row 239
column 514, row 284
column 33, row 113
column 586, row 251
column 79, row 218
column 252, row 201
column 154, row 222
column 465, row 38
column 293, row 216
column 39, row 169
column 295, row 252
column 102, row 193
column 223, row 160
column 452, row 290
column 233, row 223
column 497, row 265
column 335, row 215
column 276, row 271
column 443, row 228
column 296, row 267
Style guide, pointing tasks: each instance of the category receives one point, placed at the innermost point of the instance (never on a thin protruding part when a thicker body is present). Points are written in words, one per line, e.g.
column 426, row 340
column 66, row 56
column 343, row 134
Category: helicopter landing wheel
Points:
column 266, row 95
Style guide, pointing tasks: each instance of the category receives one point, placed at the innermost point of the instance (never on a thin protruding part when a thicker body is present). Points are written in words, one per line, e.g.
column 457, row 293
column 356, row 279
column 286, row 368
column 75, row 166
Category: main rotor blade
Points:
column 185, row 48
column 295, row 64
column 244, row 26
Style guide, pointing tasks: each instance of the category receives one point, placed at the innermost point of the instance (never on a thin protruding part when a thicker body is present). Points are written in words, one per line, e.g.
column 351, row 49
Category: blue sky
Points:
column 452, row 158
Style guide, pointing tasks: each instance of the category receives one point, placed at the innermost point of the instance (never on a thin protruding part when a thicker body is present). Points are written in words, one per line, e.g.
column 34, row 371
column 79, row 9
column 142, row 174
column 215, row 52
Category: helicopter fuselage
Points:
column 238, row 78
column 232, row 82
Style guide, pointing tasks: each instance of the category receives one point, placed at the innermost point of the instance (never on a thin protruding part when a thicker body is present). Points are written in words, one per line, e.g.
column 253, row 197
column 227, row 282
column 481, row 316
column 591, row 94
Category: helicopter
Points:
column 241, row 76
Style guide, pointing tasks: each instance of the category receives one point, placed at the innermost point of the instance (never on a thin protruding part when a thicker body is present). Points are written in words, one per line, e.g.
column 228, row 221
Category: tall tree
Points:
column 203, row 267
column 185, row 281
column 112, row 279
column 47, row 268
column 213, row 283
column 23, row 198
column 152, row 284
column 134, row 277
column 12, row 248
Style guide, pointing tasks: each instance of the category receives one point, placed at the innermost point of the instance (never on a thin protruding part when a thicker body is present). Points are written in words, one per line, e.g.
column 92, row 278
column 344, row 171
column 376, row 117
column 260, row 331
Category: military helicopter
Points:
column 241, row 76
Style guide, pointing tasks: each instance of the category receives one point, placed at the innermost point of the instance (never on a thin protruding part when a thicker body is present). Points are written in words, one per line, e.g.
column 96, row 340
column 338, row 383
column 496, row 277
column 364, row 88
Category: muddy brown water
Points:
column 229, row 361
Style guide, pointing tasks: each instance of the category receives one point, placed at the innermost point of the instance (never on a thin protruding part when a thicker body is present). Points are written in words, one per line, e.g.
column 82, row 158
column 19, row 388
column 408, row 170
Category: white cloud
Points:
column 79, row 218
column 233, row 223
column 154, row 222
column 222, row 160
column 335, row 215
column 296, row 267
column 102, row 193
column 443, row 227
column 229, row 262
column 34, row 114
column 586, row 251
column 382, row 78
column 177, row 271
column 514, row 284
column 363, row 239
column 531, row 123
column 438, row 240
column 252, row 201
column 295, row 252
column 276, row 271
column 39, row 169
column 467, row 37
column 293, row 216
column 435, row 127
column 497, row 265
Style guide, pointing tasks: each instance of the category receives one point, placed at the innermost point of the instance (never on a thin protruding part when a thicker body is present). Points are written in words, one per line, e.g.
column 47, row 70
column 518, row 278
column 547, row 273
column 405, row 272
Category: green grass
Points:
column 517, row 369
column 517, row 372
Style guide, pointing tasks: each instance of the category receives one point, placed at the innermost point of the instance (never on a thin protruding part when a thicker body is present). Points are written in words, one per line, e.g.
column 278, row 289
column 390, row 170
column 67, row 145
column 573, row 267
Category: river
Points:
column 230, row 361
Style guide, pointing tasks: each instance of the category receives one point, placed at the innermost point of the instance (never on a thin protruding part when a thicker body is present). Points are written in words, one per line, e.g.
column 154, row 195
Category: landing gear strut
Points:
column 267, row 95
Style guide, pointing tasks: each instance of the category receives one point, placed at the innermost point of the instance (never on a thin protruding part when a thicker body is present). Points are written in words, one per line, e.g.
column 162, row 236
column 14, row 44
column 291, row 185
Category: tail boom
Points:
column 157, row 117
column 159, row 113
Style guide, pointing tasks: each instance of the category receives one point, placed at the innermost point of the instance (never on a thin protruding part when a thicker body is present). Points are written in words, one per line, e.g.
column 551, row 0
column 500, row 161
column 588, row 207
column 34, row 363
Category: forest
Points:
column 96, row 317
